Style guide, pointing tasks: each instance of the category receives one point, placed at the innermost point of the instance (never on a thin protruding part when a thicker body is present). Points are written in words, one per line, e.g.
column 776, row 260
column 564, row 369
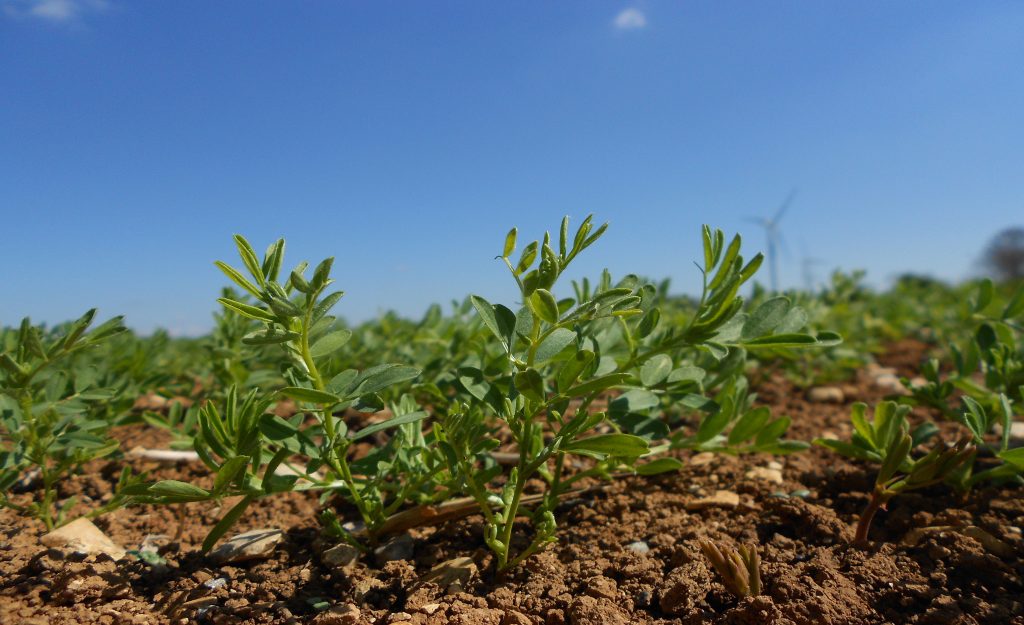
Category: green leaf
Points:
column 648, row 323
column 861, row 425
column 527, row 257
column 382, row 376
column 341, row 382
column 1014, row 456
column 771, row 432
column 269, row 337
column 329, row 343
column 596, row 385
column 474, row 381
column 686, row 373
column 656, row 370
column 572, row 369
column 661, row 465
column 712, row 425
column 765, row 318
column 984, row 297
column 559, row 339
column 1015, row 307
column 793, row 322
column 393, row 422
column 246, row 310
column 225, row 523
column 782, row 340
column 847, row 449
column 510, row 243
column 1006, row 421
column 321, row 273
column 326, row 304
column 309, row 395
column 530, row 384
column 634, row 400
column 249, row 258
column 284, row 307
column 618, row 445
column 545, row 306
column 229, row 471
column 175, row 491
column 237, row 277
column 749, row 424
column 895, row 455
column 499, row 320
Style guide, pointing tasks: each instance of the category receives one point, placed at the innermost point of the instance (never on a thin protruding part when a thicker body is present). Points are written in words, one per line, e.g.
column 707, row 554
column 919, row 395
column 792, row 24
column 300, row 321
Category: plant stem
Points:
column 878, row 500
column 335, row 457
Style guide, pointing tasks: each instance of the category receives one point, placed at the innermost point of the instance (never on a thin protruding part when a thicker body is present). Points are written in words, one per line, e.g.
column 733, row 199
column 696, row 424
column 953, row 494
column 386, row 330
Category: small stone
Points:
column 762, row 473
column 891, row 383
column 701, row 459
column 802, row 493
column 513, row 617
column 342, row 556
column 592, row 611
column 345, row 614
column 826, row 395
column 214, row 584
column 400, row 617
column 153, row 542
column 1016, row 432
column 774, row 465
column 874, row 370
column 252, row 545
column 638, row 547
column 721, row 499
column 398, row 548
column 918, row 382
column 601, row 587
column 82, row 537
column 452, row 575
column 430, row 608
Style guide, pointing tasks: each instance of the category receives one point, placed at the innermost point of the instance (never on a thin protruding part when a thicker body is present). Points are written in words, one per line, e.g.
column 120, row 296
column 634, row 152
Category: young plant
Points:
column 740, row 569
column 885, row 440
column 246, row 445
column 706, row 353
column 549, row 372
column 44, row 409
column 557, row 356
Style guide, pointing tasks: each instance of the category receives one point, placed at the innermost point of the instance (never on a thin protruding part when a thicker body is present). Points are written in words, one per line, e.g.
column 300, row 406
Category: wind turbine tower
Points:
column 774, row 237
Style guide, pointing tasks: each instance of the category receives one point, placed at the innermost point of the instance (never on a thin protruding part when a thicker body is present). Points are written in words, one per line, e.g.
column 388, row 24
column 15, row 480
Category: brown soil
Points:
column 811, row 574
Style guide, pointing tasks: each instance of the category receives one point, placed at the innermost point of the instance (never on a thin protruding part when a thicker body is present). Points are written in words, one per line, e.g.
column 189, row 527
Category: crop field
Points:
column 593, row 451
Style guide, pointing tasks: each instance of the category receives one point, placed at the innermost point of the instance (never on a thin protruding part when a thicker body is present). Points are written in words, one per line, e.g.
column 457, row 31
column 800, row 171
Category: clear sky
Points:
column 406, row 138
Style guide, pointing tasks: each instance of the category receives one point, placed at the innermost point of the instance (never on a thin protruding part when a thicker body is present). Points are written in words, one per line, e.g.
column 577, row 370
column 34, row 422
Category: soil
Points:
column 627, row 553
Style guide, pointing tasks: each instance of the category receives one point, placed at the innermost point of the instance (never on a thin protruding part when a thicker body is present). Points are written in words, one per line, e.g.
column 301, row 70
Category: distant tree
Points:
column 1003, row 258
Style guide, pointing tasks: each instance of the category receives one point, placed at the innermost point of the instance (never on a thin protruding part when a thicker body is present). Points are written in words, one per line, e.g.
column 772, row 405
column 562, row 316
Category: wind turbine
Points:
column 774, row 237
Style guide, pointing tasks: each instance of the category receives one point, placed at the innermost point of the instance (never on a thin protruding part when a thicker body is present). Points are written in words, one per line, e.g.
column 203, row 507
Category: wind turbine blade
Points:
column 784, row 206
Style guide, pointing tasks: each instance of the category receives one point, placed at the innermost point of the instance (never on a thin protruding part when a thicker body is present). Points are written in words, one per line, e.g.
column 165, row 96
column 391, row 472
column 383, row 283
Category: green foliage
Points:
column 885, row 440
column 556, row 356
column 49, row 414
column 246, row 445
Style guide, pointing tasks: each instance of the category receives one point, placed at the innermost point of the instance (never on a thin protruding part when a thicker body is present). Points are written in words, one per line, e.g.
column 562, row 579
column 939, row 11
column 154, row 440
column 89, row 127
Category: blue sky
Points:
column 406, row 138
